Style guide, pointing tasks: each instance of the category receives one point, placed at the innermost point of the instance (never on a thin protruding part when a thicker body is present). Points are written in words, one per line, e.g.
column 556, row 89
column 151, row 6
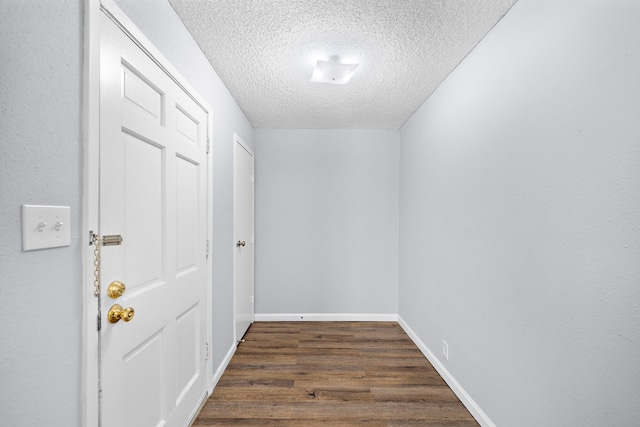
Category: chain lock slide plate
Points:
column 112, row 240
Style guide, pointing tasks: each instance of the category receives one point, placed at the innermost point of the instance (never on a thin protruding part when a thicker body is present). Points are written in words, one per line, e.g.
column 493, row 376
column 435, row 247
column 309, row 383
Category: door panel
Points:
column 144, row 97
column 186, row 212
column 186, row 125
column 145, row 409
column 153, row 193
column 143, row 198
column 188, row 367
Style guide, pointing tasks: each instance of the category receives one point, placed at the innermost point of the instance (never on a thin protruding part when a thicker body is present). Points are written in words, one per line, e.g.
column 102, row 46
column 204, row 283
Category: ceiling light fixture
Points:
column 332, row 71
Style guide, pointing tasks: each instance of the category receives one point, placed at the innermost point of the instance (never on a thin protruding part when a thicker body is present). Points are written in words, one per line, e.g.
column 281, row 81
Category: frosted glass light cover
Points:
column 333, row 72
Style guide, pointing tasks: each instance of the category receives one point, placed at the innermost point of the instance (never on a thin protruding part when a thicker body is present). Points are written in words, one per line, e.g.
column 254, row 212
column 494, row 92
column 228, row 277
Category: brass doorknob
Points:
column 116, row 289
column 117, row 313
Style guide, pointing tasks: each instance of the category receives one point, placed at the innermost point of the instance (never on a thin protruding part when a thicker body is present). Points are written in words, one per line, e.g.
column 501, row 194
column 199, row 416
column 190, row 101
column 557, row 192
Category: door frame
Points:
column 238, row 141
column 91, row 194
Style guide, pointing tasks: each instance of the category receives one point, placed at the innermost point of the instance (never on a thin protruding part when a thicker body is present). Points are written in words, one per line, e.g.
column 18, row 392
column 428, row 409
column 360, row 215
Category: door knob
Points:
column 116, row 289
column 240, row 243
column 117, row 313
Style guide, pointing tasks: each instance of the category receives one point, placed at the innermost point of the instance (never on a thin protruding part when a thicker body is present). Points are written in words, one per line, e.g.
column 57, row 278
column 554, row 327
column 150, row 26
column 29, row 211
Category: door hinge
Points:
column 99, row 318
column 253, row 179
column 207, row 347
column 208, row 145
column 208, row 247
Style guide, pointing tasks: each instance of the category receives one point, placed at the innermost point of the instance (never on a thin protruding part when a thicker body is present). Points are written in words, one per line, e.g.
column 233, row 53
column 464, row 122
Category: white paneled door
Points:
column 244, row 237
column 153, row 169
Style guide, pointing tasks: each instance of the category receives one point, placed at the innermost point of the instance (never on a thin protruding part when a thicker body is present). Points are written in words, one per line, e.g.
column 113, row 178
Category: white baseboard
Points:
column 464, row 397
column 222, row 367
column 325, row 317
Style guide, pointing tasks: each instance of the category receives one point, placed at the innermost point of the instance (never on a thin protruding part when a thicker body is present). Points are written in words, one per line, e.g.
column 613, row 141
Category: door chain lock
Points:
column 96, row 241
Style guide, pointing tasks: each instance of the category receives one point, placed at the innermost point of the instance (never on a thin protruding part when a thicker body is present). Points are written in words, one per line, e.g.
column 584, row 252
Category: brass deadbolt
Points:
column 116, row 289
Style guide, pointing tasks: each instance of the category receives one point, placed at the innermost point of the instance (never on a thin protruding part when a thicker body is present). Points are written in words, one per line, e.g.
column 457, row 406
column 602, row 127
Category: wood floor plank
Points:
column 372, row 360
column 339, row 374
column 418, row 393
column 260, row 360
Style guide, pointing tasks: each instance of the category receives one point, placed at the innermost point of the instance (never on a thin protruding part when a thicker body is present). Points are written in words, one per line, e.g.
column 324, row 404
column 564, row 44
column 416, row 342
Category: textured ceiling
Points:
column 265, row 51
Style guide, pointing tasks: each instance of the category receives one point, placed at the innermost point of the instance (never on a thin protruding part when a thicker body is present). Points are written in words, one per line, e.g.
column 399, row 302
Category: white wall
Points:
column 326, row 221
column 158, row 21
column 41, row 163
column 520, row 178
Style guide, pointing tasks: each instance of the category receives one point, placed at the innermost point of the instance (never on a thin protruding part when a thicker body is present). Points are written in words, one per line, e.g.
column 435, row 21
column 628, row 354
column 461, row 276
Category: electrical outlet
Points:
column 445, row 350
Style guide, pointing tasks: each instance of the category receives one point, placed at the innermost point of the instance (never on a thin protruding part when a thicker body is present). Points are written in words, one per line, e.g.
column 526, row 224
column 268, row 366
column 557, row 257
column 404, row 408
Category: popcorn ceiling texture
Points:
column 265, row 51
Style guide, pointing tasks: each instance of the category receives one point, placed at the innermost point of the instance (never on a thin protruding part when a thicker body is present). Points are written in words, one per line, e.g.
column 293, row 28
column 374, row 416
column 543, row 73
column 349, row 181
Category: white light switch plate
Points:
column 45, row 227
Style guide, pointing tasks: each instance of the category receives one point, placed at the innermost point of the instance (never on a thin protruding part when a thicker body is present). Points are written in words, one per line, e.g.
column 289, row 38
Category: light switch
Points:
column 45, row 227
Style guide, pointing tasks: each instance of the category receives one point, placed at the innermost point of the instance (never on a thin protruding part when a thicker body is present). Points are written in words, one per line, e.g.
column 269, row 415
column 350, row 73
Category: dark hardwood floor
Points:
column 331, row 374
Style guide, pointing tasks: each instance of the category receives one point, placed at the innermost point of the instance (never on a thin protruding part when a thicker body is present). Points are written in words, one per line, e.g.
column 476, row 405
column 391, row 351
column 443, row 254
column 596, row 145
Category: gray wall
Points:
column 520, row 178
column 41, row 163
column 326, row 221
